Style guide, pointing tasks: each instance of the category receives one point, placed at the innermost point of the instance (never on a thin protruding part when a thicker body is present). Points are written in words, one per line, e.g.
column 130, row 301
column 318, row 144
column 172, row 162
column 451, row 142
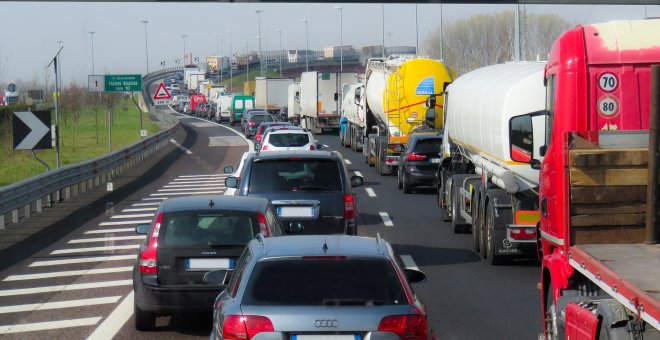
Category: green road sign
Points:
column 123, row 83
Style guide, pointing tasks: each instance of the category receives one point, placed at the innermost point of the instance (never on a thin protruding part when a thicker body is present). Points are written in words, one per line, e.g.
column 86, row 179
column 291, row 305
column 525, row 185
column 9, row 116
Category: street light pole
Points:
column 341, row 39
column 383, row 12
column 92, row 34
column 307, row 48
column 261, row 66
column 279, row 30
column 247, row 62
column 184, row 49
column 146, row 46
column 231, row 66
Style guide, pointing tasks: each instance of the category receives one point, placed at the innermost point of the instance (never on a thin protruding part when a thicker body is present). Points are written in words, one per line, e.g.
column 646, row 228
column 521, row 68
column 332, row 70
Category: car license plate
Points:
column 209, row 264
column 436, row 160
column 326, row 337
column 295, row 211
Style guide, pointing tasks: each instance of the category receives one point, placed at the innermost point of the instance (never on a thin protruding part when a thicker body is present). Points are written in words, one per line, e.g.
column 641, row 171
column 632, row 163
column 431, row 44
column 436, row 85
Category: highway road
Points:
column 80, row 286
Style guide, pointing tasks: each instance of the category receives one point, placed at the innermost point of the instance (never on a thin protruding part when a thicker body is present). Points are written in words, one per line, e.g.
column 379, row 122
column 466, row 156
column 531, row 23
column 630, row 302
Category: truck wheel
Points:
column 476, row 222
column 489, row 231
column 458, row 227
column 552, row 325
column 353, row 140
column 144, row 321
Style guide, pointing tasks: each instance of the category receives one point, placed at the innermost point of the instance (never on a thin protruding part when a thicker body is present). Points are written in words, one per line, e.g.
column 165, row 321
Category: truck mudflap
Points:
column 581, row 322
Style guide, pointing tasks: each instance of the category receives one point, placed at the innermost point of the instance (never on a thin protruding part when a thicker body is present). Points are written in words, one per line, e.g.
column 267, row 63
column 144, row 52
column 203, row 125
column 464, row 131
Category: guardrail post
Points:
column 14, row 216
column 2, row 221
column 75, row 190
column 40, row 207
column 67, row 193
column 28, row 210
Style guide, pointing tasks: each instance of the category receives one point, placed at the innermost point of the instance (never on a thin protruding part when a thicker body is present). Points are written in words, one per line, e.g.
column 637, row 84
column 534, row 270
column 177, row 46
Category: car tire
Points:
column 144, row 321
column 406, row 186
column 399, row 185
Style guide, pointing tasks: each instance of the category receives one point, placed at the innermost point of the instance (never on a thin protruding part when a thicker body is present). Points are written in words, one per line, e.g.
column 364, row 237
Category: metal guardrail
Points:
column 20, row 200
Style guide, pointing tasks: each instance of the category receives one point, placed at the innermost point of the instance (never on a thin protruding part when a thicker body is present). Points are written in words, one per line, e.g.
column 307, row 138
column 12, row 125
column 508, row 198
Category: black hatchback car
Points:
column 420, row 161
column 311, row 189
column 253, row 121
column 189, row 237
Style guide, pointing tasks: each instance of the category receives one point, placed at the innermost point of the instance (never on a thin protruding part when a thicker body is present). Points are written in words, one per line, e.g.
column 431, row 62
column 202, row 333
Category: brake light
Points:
column 252, row 124
column 148, row 258
column 264, row 148
column 415, row 157
column 349, row 206
column 245, row 327
column 311, row 147
column 258, row 136
column 411, row 326
column 523, row 233
column 262, row 224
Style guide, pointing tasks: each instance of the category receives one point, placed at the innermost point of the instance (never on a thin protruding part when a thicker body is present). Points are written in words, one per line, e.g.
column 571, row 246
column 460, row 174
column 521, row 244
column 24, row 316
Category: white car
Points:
column 175, row 87
column 283, row 140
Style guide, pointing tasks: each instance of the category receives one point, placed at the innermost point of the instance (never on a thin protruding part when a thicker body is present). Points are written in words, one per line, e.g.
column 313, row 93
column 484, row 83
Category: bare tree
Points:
column 489, row 39
column 3, row 64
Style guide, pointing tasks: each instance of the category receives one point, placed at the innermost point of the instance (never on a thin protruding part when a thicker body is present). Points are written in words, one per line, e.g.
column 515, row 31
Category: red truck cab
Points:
column 599, row 278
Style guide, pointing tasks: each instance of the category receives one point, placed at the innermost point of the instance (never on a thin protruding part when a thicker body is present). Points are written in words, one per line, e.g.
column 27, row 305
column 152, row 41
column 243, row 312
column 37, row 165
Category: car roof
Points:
column 298, row 154
column 220, row 202
column 322, row 245
column 288, row 131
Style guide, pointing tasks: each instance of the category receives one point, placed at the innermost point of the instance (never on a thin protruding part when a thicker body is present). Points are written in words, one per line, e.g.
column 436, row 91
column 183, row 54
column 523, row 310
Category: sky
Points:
column 32, row 30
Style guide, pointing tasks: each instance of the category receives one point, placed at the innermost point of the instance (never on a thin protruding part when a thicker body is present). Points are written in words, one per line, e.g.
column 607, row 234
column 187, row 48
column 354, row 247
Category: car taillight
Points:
column 245, row 327
column 415, row 157
column 411, row 326
column 523, row 233
column 148, row 258
column 311, row 147
column 264, row 148
column 257, row 137
column 252, row 124
column 349, row 206
column 262, row 224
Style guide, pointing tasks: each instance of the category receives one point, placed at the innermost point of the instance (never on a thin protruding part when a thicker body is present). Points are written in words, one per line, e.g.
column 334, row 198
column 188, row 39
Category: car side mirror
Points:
column 231, row 182
column 228, row 169
column 356, row 181
column 143, row 229
column 294, row 228
column 415, row 275
column 215, row 277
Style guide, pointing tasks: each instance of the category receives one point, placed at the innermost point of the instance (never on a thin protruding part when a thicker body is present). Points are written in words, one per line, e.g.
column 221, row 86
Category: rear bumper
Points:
column 319, row 227
column 422, row 177
column 177, row 299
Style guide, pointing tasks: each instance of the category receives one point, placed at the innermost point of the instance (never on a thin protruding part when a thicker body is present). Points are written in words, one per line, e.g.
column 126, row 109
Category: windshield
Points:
column 311, row 282
column 294, row 175
column 198, row 229
column 288, row 139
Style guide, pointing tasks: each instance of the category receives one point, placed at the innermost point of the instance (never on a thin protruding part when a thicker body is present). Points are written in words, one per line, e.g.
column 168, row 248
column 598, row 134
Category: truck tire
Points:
column 346, row 141
column 552, row 317
column 144, row 321
column 613, row 325
column 353, row 139
column 456, row 226
column 489, row 232
column 380, row 156
column 476, row 221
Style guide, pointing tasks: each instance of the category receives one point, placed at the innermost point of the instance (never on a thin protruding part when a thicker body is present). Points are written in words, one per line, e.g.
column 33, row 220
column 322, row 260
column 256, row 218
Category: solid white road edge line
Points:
column 387, row 221
column 41, row 326
column 114, row 322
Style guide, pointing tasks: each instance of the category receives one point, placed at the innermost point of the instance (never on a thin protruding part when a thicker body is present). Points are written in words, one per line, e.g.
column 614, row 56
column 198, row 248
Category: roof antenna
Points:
column 325, row 245
column 211, row 204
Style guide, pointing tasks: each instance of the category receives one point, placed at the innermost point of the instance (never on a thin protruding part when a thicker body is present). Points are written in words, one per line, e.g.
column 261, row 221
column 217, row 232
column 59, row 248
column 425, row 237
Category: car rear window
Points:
column 288, row 139
column 198, row 229
column 428, row 145
column 294, row 175
column 315, row 282
column 261, row 118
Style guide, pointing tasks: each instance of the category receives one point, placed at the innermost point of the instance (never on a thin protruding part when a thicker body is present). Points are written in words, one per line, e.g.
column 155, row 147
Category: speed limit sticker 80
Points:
column 608, row 106
column 608, row 82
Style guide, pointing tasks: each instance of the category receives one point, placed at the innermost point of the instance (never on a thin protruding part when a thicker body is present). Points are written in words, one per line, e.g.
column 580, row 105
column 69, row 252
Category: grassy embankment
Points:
column 237, row 81
column 84, row 140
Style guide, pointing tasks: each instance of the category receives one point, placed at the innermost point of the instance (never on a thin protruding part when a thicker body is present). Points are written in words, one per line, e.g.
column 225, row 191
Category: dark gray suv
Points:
column 310, row 188
column 318, row 287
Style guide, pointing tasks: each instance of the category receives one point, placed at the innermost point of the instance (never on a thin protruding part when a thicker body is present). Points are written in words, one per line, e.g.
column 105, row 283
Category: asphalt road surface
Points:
column 80, row 287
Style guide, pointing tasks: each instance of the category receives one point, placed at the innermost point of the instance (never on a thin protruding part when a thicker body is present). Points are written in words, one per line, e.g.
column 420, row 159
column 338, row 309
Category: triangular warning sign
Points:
column 162, row 93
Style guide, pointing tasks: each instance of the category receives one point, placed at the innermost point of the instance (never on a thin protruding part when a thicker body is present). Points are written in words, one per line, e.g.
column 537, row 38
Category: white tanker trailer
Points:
column 481, row 189
column 393, row 100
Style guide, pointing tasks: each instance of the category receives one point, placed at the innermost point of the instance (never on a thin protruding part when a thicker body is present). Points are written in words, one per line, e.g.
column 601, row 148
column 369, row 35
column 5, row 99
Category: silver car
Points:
column 319, row 287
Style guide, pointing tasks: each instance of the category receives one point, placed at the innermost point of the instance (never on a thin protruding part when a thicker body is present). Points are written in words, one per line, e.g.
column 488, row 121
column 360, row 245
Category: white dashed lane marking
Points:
column 107, row 231
column 387, row 221
column 144, row 204
column 189, row 193
column 62, row 288
column 357, row 173
column 82, row 260
column 370, row 192
column 140, row 209
column 408, row 262
column 193, row 186
column 68, row 273
column 347, row 161
column 41, row 326
column 192, row 189
column 197, row 176
column 124, row 222
column 59, row 304
column 93, row 249
column 109, row 238
column 180, row 147
column 132, row 216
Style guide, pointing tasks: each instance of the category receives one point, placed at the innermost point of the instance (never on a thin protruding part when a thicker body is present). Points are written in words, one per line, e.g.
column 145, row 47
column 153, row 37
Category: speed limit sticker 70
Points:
column 608, row 106
column 608, row 81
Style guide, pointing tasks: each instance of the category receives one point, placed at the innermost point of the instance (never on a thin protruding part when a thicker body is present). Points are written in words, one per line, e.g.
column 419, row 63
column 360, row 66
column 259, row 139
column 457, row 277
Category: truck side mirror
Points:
column 430, row 101
column 358, row 94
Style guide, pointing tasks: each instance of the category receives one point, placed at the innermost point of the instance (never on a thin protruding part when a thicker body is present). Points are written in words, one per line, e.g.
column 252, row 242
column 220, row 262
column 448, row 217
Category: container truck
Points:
column 394, row 102
column 320, row 95
column 271, row 94
column 600, row 268
column 479, row 187
column 293, row 103
column 217, row 64
column 193, row 78
column 353, row 116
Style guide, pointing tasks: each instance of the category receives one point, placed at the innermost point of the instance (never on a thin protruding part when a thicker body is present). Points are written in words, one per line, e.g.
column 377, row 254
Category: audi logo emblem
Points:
column 326, row 323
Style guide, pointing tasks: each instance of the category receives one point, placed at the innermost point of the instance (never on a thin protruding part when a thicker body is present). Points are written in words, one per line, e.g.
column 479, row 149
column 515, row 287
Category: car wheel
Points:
column 399, row 185
column 144, row 321
column 407, row 187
